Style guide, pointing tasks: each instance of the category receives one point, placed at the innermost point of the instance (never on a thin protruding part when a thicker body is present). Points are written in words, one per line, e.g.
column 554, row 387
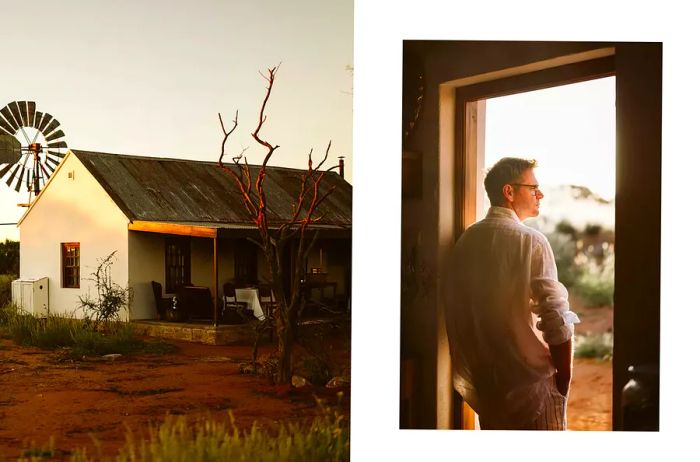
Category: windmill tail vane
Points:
column 31, row 146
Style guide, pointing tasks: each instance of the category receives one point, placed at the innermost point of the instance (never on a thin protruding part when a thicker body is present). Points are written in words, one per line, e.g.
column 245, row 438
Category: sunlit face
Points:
column 523, row 196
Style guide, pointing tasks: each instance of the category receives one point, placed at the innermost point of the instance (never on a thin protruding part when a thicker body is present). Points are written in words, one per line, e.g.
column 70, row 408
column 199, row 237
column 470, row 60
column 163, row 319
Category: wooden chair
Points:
column 163, row 305
column 267, row 300
column 233, row 311
column 268, row 305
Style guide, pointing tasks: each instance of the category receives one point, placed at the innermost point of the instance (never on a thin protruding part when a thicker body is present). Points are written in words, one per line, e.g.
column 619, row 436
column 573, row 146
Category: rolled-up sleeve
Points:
column 550, row 297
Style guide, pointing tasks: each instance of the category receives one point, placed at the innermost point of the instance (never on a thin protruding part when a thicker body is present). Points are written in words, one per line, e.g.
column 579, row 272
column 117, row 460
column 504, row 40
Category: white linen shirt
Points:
column 503, row 306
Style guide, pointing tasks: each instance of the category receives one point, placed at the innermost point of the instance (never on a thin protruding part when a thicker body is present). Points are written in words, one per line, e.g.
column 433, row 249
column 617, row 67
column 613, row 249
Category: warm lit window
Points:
column 71, row 264
column 177, row 263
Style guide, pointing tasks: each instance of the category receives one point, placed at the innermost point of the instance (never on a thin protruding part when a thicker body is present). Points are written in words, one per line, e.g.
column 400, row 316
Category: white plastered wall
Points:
column 146, row 264
column 73, row 209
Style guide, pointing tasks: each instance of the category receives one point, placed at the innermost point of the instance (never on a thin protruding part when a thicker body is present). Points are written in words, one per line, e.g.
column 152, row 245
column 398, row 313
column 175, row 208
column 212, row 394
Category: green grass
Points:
column 327, row 438
column 593, row 281
column 80, row 338
column 596, row 284
column 599, row 346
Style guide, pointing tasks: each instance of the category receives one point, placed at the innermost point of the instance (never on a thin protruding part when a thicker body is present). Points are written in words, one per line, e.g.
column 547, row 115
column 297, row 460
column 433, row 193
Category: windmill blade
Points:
column 37, row 119
column 14, row 109
column 52, row 126
column 10, row 149
column 53, row 161
column 23, row 112
column 7, row 113
column 19, row 179
column 55, row 135
column 14, row 173
column 47, row 174
column 57, row 154
column 5, row 169
column 6, row 127
column 48, row 166
column 31, row 110
column 44, row 122
column 30, row 174
column 58, row 144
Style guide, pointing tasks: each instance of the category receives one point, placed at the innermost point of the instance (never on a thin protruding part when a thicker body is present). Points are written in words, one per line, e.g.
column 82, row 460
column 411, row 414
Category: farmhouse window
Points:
column 177, row 263
column 70, row 261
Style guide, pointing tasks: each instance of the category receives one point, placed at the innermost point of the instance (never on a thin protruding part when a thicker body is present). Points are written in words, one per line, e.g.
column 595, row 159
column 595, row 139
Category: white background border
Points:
column 380, row 28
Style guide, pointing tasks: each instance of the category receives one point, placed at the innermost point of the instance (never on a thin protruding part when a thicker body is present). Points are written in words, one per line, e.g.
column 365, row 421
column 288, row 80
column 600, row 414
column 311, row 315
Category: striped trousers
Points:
column 553, row 416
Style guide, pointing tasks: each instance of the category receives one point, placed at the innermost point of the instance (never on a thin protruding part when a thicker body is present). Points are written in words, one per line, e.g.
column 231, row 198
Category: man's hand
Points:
column 562, row 357
column 563, row 381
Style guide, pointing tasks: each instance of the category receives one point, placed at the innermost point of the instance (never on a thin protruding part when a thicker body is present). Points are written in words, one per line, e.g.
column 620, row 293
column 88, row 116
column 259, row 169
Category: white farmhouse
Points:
column 171, row 221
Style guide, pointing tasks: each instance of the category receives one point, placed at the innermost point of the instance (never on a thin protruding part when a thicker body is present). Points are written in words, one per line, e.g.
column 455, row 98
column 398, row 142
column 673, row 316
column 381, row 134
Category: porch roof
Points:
column 212, row 229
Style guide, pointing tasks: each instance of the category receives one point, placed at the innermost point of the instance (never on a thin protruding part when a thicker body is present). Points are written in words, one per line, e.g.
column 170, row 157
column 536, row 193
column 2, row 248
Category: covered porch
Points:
column 195, row 263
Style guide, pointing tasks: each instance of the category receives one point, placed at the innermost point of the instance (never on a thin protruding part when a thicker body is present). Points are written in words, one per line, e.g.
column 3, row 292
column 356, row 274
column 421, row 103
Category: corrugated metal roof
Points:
column 181, row 190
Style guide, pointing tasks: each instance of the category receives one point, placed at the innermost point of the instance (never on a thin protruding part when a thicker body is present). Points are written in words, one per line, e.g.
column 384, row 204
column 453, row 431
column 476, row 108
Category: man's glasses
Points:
column 534, row 188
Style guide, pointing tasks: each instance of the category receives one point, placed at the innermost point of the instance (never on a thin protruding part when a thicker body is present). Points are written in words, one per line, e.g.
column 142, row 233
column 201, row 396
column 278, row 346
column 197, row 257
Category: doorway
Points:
column 637, row 71
column 570, row 130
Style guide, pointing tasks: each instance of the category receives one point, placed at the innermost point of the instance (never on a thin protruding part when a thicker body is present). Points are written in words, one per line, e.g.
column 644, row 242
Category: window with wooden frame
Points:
column 70, row 264
column 177, row 263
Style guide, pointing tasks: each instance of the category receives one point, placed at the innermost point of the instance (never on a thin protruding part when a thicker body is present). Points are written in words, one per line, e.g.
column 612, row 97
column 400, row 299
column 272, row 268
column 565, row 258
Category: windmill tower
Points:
column 31, row 146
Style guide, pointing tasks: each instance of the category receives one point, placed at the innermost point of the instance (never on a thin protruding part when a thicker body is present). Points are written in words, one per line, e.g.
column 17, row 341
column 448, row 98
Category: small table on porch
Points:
column 251, row 297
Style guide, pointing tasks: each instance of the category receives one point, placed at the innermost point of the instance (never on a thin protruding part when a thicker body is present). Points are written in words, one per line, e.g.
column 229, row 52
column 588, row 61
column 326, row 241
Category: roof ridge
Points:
column 81, row 152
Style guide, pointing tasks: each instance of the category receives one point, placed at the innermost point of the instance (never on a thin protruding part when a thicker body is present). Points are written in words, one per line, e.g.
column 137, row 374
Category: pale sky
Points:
column 149, row 77
column 569, row 129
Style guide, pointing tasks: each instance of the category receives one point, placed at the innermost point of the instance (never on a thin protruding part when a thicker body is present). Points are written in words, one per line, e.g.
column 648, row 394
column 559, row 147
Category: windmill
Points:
column 31, row 146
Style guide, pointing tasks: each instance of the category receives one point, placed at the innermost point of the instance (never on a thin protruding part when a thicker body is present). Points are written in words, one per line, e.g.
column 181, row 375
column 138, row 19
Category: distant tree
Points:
column 592, row 229
column 9, row 257
column 565, row 227
column 291, row 235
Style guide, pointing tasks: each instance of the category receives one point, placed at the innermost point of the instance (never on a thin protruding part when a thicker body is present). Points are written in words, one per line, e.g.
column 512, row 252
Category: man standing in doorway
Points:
column 508, row 320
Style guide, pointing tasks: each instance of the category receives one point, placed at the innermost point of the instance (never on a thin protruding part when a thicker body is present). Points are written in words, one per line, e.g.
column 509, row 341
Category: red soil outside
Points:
column 43, row 396
column 590, row 398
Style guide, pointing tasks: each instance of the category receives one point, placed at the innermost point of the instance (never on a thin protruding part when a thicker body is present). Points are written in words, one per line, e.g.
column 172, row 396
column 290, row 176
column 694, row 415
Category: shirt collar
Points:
column 502, row 212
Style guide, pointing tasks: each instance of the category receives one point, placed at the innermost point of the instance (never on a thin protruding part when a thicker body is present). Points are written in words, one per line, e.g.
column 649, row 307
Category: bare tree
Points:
column 275, row 238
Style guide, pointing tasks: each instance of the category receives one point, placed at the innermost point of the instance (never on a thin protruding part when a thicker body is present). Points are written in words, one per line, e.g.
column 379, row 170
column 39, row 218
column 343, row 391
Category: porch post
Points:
column 216, row 282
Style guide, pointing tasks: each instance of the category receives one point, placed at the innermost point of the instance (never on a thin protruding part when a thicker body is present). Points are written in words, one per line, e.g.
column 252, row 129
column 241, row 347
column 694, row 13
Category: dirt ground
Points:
column 590, row 399
column 42, row 396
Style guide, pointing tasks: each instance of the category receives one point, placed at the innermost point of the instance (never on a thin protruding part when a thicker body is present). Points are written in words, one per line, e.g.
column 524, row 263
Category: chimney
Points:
column 341, row 166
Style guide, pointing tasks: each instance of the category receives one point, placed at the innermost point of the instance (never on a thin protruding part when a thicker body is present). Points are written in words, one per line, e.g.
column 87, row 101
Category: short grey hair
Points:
column 503, row 172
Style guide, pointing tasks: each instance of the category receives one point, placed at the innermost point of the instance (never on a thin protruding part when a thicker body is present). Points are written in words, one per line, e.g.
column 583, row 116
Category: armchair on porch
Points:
column 163, row 304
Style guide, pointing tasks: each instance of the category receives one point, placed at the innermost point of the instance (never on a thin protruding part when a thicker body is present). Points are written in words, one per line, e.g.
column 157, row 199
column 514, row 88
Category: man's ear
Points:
column 508, row 192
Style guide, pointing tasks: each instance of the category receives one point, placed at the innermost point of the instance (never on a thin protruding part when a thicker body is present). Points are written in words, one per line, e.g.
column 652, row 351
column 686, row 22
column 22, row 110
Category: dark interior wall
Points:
column 446, row 61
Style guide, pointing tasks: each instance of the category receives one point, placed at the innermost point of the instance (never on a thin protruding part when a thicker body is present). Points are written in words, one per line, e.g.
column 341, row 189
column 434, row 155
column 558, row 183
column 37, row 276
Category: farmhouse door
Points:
column 245, row 263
